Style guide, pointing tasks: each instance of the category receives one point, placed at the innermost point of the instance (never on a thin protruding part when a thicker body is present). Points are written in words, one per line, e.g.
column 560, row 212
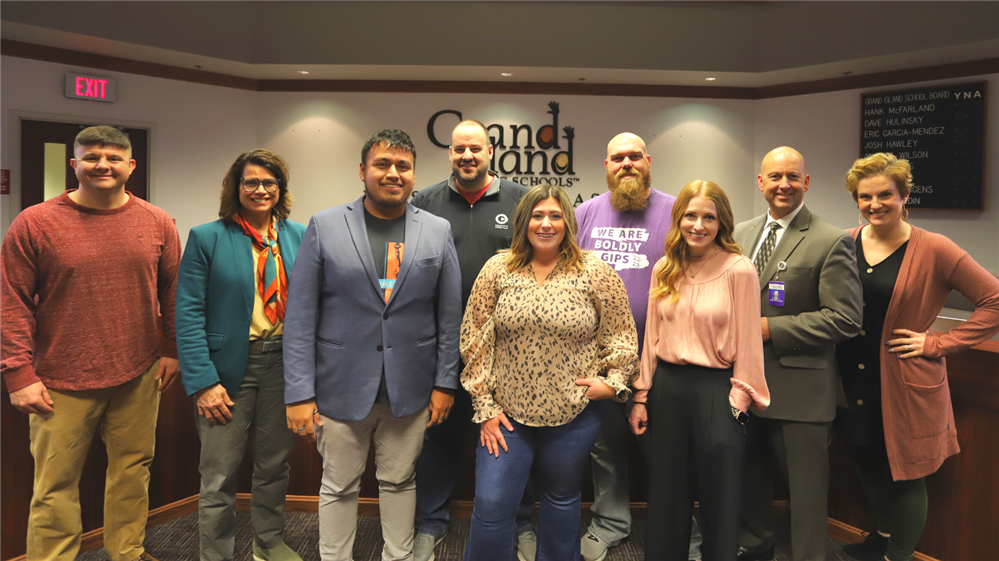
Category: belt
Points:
column 268, row 345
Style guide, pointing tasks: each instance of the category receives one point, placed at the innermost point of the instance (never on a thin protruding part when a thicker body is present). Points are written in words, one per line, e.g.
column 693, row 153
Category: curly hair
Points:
column 897, row 170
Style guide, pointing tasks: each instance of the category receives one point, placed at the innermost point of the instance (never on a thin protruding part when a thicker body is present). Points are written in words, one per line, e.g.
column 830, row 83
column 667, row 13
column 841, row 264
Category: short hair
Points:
column 229, row 204
column 521, row 249
column 103, row 135
column 391, row 138
column 671, row 267
column 475, row 123
column 897, row 170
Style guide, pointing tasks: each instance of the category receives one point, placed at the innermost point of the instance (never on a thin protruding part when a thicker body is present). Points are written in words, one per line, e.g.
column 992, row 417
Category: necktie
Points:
column 763, row 256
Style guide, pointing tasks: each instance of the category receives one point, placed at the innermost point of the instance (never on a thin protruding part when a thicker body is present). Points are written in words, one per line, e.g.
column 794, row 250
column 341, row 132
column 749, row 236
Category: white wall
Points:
column 197, row 131
column 321, row 134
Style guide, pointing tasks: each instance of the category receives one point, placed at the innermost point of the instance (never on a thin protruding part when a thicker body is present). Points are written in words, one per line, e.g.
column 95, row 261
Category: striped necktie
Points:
column 767, row 248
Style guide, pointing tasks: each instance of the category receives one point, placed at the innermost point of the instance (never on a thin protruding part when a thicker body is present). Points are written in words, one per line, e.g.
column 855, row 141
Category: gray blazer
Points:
column 338, row 330
column 822, row 307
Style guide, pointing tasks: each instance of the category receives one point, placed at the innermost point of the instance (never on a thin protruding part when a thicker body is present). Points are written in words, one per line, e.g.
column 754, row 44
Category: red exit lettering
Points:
column 91, row 87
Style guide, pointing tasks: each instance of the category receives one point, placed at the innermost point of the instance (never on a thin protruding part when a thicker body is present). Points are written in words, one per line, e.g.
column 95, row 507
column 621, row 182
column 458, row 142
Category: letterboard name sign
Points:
column 941, row 132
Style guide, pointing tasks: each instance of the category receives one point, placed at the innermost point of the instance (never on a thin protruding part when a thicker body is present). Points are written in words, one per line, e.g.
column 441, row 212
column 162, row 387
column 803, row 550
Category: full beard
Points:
column 630, row 195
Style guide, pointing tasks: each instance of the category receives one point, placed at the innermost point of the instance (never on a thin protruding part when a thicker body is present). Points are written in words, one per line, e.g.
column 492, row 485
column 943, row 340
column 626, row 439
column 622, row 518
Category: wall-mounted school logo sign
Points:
column 502, row 221
column 525, row 155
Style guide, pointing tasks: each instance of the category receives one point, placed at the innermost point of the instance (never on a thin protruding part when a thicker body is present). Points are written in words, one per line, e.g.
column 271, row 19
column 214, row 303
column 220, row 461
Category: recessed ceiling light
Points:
column 506, row 74
column 711, row 79
column 303, row 71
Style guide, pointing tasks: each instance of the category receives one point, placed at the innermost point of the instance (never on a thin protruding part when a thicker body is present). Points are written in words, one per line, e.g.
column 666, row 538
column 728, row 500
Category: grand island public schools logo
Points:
column 502, row 222
column 529, row 164
column 618, row 246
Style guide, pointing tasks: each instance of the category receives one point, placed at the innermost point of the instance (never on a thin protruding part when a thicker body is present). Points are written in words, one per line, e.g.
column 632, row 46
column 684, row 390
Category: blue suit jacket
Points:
column 339, row 331
column 215, row 300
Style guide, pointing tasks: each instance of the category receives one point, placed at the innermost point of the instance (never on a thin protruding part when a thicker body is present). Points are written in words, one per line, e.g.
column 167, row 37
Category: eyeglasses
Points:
column 251, row 185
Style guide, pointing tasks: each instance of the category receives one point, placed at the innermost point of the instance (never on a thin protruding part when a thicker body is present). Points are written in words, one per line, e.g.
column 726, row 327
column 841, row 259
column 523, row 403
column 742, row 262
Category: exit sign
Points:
column 94, row 88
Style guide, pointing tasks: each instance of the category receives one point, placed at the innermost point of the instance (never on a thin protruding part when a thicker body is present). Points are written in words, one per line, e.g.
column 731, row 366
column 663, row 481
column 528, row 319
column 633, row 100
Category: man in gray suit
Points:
column 811, row 300
column 371, row 344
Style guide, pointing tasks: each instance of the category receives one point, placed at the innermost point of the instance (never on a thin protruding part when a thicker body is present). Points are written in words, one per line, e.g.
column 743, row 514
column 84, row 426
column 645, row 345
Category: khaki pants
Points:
column 126, row 416
column 344, row 446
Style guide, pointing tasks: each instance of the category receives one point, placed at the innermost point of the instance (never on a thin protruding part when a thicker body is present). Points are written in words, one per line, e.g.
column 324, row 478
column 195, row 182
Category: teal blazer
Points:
column 215, row 301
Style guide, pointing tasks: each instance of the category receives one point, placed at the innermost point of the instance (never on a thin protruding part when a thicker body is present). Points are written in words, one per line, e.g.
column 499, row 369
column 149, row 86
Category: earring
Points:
column 905, row 214
column 860, row 218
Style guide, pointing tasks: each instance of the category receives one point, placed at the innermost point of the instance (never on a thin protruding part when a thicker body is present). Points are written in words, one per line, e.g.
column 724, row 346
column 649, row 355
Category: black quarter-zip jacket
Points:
column 479, row 230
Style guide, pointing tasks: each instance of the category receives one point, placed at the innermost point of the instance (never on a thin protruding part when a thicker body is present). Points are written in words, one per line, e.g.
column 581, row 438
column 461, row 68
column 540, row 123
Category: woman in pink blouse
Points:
column 701, row 370
column 547, row 333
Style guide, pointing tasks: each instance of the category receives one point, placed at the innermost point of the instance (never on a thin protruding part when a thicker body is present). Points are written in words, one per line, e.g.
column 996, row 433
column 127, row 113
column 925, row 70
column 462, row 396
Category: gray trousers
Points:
column 611, row 508
column 799, row 451
column 344, row 447
column 259, row 407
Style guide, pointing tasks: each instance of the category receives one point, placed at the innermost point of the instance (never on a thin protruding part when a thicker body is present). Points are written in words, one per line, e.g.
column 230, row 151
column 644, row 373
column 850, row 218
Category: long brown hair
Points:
column 672, row 266
column 521, row 249
column 229, row 200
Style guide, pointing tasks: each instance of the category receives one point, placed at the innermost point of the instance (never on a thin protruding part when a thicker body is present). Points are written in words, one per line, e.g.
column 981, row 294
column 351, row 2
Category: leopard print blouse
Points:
column 524, row 344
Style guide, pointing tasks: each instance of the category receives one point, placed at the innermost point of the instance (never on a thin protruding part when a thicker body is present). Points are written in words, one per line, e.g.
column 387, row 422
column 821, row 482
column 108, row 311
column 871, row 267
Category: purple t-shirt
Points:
column 631, row 242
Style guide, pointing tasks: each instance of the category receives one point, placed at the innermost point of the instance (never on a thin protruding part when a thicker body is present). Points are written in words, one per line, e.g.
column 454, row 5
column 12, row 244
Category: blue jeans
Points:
column 439, row 466
column 557, row 455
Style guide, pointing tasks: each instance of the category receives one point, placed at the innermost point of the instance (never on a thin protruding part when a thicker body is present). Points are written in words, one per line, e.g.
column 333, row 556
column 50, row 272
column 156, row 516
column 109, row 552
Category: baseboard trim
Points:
column 95, row 538
column 459, row 509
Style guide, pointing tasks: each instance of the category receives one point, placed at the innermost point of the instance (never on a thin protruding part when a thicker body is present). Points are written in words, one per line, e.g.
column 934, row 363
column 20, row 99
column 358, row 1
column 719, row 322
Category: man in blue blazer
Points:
column 371, row 332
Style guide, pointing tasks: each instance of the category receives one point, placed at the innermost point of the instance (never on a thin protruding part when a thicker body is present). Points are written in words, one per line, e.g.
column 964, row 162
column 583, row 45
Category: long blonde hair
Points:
column 521, row 250
column 672, row 266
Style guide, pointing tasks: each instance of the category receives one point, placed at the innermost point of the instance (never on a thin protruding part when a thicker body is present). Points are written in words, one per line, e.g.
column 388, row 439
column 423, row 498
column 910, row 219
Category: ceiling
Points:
column 741, row 44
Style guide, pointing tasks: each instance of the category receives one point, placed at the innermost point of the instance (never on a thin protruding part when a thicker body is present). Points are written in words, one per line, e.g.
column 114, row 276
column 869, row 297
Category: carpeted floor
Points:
column 177, row 540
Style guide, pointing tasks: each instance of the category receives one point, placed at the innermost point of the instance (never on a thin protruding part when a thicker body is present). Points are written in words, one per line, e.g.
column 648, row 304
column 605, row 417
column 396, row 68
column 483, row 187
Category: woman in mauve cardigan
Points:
column 898, row 423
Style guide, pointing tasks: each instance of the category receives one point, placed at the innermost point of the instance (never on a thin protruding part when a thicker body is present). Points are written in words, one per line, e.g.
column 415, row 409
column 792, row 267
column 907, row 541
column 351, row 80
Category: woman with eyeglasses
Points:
column 231, row 295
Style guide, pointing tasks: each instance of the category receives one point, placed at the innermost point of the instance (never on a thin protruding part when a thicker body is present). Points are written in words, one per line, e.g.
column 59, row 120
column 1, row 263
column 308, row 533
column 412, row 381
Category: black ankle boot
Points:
column 873, row 548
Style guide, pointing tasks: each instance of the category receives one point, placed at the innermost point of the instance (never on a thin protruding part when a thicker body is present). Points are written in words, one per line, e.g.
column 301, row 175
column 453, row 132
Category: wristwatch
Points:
column 741, row 417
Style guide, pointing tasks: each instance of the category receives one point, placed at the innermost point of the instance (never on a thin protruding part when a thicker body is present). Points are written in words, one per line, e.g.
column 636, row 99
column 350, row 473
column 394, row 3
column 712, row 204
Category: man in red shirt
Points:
column 82, row 280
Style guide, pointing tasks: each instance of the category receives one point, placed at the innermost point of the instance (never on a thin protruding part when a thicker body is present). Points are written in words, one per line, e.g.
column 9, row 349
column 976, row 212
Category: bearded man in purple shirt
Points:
column 626, row 227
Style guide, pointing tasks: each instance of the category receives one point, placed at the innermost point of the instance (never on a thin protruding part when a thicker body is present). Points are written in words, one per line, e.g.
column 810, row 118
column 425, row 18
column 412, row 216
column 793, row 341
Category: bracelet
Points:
column 643, row 403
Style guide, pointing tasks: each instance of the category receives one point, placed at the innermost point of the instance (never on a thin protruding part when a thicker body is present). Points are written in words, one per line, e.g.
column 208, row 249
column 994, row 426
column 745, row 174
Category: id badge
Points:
column 775, row 291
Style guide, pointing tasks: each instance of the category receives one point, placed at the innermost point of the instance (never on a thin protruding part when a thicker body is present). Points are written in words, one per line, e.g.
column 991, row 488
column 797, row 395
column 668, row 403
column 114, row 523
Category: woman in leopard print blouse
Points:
column 548, row 332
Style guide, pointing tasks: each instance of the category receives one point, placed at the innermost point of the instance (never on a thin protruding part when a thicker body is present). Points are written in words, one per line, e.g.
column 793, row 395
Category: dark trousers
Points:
column 899, row 507
column 800, row 452
column 690, row 418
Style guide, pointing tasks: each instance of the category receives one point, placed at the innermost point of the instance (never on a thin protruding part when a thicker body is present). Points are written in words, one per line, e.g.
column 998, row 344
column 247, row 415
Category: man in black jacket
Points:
column 480, row 207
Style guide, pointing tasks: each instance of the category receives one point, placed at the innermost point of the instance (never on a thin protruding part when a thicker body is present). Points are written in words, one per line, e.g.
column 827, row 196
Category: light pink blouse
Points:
column 715, row 323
